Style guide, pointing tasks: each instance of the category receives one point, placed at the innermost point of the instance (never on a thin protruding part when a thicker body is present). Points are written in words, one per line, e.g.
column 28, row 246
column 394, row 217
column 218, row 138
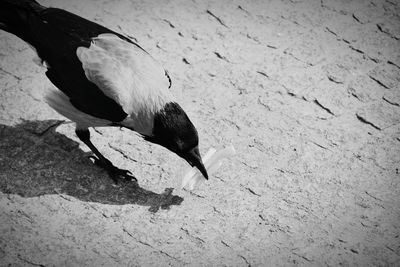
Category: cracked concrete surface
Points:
column 308, row 92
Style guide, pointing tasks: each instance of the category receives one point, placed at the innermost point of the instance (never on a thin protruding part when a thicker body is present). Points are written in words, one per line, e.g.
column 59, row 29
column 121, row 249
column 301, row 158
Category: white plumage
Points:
column 61, row 103
column 126, row 74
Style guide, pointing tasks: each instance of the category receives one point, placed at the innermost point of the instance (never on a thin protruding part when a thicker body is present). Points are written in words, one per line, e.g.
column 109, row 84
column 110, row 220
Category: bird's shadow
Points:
column 36, row 160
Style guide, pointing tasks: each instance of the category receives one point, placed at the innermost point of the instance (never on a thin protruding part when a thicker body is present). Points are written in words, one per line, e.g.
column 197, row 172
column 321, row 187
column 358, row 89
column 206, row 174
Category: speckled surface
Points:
column 308, row 92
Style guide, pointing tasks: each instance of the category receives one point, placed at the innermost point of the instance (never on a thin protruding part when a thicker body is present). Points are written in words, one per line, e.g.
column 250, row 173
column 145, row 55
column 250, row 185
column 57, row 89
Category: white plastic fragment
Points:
column 212, row 161
column 193, row 175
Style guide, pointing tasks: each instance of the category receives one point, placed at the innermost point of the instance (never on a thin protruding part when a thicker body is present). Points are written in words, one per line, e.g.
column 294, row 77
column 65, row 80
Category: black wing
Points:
column 56, row 34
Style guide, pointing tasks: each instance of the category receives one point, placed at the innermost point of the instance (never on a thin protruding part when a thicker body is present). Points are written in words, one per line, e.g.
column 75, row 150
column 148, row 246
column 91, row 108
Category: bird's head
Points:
column 173, row 130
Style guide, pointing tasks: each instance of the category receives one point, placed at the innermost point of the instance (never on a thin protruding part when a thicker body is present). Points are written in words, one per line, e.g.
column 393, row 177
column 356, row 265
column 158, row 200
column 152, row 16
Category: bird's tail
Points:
column 17, row 15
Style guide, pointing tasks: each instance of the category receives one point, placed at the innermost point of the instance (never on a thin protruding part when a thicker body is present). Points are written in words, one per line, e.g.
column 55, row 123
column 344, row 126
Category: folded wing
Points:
column 125, row 73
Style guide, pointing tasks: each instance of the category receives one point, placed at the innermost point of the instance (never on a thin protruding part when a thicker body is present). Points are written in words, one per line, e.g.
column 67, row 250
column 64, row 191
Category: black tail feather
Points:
column 16, row 16
column 22, row 4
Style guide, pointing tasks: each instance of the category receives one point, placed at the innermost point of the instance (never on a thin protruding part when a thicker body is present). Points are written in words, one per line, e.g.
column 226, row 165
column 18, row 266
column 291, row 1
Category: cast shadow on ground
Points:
column 36, row 160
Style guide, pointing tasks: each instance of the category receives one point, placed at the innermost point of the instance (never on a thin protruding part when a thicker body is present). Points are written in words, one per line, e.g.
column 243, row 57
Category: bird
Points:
column 102, row 78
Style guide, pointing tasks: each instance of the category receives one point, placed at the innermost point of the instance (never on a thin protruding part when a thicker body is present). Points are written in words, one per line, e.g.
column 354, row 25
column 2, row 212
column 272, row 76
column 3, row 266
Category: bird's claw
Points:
column 114, row 172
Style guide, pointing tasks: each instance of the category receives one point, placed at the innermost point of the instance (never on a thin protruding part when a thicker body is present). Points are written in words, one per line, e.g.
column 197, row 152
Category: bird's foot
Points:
column 114, row 172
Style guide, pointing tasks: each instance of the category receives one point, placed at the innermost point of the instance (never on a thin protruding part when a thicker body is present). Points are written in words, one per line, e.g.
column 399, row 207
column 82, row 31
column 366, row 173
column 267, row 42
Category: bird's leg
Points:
column 114, row 172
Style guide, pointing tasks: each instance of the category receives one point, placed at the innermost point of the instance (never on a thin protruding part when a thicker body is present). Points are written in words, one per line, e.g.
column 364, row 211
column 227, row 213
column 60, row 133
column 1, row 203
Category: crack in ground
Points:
column 252, row 192
column 302, row 256
column 263, row 74
column 321, row 146
column 323, row 107
column 248, row 165
column 150, row 246
column 378, row 81
column 244, row 258
column 389, row 248
column 240, row 256
column 244, row 10
column 289, row 93
column 381, row 29
column 196, row 195
column 341, row 12
column 195, row 239
column 221, row 57
column 26, row 216
column 298, row 59
column 356, row 49
column 97, row 131
column 169, row 23
column 333, row 79
column 217, row 211
column 225, row 244
column 232, row 123
column 217, row 18
column 292, row 21
column 11, row 74
column 252, row 38
column 394, row 64
column 390, row 102
column 260, row 102
column 376, row 60
column 374, row 197
column 331, row 31
column 30, row 262
column 364, row 120
column 357, row 19
column 122, row 153
column 95, row 209
column 130, row 158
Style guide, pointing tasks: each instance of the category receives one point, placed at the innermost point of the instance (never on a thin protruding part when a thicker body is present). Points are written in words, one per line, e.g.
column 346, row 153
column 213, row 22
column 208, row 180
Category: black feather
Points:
column 173, row 129
column 56, row 34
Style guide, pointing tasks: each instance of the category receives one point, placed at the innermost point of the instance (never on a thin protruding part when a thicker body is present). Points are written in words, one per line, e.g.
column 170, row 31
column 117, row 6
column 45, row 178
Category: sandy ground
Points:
column 308, row 92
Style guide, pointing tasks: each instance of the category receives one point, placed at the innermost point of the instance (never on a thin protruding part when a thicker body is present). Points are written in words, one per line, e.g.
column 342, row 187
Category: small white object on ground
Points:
column 212, row 161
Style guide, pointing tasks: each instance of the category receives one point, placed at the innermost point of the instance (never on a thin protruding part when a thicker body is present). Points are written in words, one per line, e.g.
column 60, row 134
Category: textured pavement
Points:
column 308, row 92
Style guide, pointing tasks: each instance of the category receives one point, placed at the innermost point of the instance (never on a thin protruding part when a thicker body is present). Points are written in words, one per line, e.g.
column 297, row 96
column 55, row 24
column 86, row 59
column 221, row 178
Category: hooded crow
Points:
column 104, row 79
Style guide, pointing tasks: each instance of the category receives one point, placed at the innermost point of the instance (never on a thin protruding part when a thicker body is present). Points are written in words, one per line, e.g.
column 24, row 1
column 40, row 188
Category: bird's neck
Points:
column 142, row 119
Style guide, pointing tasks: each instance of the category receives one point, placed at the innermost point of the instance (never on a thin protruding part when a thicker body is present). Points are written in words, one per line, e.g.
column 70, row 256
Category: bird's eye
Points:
column 180, row 144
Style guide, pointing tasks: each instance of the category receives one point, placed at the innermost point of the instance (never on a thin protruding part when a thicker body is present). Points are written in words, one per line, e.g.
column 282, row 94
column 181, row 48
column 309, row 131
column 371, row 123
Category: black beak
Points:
column 194, row 159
